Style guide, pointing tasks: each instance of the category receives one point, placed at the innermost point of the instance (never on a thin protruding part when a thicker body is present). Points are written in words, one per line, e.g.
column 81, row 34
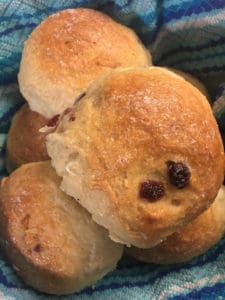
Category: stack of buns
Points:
column 110, row 152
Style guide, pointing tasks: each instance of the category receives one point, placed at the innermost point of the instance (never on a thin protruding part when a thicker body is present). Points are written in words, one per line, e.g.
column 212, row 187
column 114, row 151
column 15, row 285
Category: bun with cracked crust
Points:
column 143, row 154
column 51, row 241
column 68, row 51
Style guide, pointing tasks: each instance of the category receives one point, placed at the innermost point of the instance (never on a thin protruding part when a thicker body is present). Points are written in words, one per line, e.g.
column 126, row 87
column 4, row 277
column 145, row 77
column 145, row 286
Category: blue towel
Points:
column 186, row 34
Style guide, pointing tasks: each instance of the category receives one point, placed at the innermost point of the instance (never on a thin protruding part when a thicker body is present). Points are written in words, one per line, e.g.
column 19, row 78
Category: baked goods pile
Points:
column 111, row 153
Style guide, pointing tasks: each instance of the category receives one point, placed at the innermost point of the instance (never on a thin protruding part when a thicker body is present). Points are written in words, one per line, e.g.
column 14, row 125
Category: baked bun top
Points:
column 193, row 80
column 143, row 154
column 192, row 240
column 70, row 49
column 25, row 142
column 51, row 241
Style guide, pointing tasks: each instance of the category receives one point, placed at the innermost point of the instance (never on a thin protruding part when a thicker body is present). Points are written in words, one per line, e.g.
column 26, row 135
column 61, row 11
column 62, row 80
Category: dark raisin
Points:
column 37, row 248
column 53, row 121
column 72, row 118
column 151, row 190
column 179, row 174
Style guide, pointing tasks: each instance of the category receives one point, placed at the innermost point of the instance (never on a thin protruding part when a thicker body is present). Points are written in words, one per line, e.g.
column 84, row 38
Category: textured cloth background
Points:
column 186, row 34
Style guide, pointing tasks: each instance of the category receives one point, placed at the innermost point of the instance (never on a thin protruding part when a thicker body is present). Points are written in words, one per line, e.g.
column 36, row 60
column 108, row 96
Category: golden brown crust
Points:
column 193, row 80
column 128, row 126
column 192, row 240
column 70, row 49
column 50, row 240
column 25, row 142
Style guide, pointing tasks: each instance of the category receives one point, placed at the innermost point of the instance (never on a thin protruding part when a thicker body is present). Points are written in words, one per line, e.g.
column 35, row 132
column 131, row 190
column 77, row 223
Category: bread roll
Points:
column 25, row 142
column 192, row 240
column 143, row 154
column 70, row 49
column 51, row 241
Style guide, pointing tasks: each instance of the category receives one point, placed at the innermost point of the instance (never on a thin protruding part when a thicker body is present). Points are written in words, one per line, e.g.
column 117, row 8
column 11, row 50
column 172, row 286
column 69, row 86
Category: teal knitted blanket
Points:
column 186, row 34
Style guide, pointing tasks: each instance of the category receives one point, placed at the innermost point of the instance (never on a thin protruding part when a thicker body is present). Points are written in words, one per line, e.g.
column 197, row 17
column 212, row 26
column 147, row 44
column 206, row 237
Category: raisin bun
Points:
column 192, row 240
column 143, row 155
column 26, row 141
column 70, row 49
column 51, row 241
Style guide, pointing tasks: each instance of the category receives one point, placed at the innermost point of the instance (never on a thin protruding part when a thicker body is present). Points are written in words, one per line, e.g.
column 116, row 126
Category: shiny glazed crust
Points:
column 70, row 49
column 25, row 142
column 50, row 240
column 192, row 240
column 128, row 126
